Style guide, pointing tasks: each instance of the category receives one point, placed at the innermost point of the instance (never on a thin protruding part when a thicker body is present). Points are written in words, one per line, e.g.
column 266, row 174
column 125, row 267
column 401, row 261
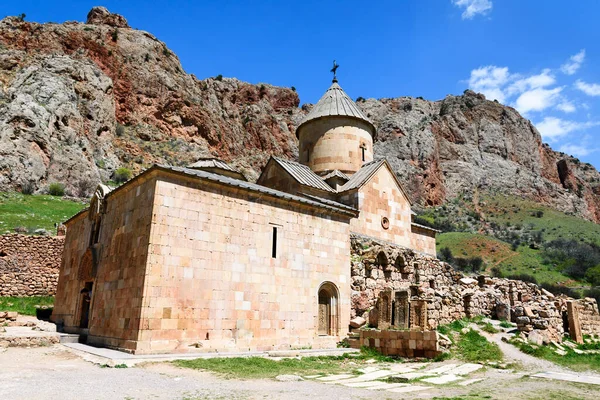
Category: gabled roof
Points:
column 302, row 174
column 335, row 102
column 313, row 201
column 336, row 173
column 366, row 172
column 217, row 166
column 211, row 163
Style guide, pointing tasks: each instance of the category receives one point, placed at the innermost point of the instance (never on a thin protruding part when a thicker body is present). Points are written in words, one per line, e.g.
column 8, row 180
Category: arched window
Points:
column 328, row 315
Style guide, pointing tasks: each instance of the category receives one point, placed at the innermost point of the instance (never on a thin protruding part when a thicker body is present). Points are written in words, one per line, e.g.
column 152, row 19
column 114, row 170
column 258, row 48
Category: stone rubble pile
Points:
column 29, row 265
column 380, row 269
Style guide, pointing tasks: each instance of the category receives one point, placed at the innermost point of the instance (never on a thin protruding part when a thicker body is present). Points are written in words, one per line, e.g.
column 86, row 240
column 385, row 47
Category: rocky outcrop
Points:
column 460, row 144
column 78, row 101
column 101, row 16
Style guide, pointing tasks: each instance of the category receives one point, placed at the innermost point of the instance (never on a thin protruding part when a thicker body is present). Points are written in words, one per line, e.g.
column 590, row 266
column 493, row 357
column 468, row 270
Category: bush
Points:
column 120, row 130
column 476, row 263
column 359, row 99
column 115, row 35
column 592, row 275
column 56, row 189
column 593, row 293
column 219, row 77
column 28, row 187
column 522, row 277
column 558, row 290
column 446, row 254
column 122, row 175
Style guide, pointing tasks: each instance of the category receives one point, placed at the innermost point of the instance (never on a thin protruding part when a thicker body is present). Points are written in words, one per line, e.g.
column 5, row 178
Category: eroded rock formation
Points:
column 79, row 100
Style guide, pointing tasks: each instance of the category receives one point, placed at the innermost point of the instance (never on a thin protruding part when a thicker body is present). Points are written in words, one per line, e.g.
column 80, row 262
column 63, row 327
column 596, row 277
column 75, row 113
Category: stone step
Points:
column 69, row 338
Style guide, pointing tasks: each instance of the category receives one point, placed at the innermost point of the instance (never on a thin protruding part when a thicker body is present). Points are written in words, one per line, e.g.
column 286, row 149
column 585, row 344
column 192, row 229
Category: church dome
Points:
column 335, row 103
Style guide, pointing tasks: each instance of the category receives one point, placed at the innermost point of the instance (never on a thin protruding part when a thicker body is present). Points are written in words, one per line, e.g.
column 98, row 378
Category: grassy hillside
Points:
column 34, row 211
column 496, row 253
column 511, row 235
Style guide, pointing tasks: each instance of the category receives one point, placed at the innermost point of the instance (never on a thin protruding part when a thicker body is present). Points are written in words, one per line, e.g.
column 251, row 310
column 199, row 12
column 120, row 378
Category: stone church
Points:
column 199, row 259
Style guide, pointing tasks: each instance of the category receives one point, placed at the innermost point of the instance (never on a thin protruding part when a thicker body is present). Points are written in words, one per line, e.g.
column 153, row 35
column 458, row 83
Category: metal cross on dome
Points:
column 334, row 69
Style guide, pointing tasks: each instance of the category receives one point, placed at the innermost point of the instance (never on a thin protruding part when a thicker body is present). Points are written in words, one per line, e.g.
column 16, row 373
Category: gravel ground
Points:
column 55, row 373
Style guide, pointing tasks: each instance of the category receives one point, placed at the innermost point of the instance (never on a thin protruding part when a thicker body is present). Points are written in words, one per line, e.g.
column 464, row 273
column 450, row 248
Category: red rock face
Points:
column 122, row 99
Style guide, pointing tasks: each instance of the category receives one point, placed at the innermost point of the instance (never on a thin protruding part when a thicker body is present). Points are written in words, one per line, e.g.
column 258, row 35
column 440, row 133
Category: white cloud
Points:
column 553, row 128
column 566, row 106
column 591, row 89
column 473, row 7
column 533, row 82
column 537, row 99
column 489, row 81
column 571, row 66
column 576, row 150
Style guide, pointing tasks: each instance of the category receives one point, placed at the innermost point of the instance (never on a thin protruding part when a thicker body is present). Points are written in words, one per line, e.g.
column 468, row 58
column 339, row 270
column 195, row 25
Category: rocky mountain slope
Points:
column 79, row 100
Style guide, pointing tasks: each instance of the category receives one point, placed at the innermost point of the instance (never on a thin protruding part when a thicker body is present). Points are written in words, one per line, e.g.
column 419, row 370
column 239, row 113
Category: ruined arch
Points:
column 382, row 259
column 328, row 322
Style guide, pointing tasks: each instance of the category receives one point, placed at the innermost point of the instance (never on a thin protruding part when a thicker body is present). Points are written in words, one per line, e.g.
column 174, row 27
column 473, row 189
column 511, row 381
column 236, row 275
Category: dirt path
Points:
column 54, row 373
column 514, row 355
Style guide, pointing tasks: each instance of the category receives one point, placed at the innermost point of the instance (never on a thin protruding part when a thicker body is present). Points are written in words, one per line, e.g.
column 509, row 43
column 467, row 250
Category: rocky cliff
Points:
column 79, row 100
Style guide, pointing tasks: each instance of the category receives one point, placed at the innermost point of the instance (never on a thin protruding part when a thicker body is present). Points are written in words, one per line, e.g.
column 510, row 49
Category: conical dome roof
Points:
column 334, row 103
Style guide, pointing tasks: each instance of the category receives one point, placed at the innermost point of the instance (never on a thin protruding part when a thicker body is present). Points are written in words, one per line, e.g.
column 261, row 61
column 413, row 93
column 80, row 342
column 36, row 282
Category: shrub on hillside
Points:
column 122, row 175
column 28, row 187
column 572, row 257
column 56, row 189
column 592, row 275
column 558, row 290
column 593, row 293
column 120, row 130
column 446, row 255
column 522, row 277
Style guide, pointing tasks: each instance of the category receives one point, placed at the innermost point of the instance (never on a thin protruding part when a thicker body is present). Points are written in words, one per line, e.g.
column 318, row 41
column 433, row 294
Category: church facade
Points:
column 198, row 259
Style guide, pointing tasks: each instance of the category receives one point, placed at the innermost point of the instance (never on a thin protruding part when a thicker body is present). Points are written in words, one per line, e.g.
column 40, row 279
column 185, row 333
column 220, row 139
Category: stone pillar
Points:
column 418, row 314
column 401, row 310
column 384, row 308
column 574, row 326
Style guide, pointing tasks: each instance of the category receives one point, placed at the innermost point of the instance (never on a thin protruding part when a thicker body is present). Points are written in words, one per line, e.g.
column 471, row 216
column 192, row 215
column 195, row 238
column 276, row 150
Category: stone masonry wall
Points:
column 589, row 317
column 379, row 268
column 29, row 265
column 401, row 343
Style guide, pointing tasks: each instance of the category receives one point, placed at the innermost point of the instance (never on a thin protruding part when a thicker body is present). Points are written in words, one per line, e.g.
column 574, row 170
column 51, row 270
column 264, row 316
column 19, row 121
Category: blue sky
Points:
column 539, row 56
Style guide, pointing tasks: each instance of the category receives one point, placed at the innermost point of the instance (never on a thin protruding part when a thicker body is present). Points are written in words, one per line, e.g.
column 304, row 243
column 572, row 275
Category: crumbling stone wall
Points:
column 589, row 317
column 29, row 265
column 379, row 270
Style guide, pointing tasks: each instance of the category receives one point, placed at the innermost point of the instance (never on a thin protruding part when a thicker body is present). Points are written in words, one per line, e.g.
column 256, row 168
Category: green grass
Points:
column 34, row 211
column 489, row 328
column 25, row 305
column 473, row 347
column 506, row 324
column 259, row 367
column 576, row 362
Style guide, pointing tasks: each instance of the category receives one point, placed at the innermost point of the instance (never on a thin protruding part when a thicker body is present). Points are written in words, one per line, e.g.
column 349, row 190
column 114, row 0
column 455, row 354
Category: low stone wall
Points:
column 29, row 265
column 396, row 287
column 401, row 343
column 589, row 317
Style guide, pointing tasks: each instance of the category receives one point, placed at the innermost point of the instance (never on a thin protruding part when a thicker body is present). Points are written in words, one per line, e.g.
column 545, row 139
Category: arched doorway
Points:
column 328, row 319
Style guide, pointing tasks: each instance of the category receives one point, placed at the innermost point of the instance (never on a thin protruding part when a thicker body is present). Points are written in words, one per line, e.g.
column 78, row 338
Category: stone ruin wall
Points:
column 440, row 294
column 29, row 265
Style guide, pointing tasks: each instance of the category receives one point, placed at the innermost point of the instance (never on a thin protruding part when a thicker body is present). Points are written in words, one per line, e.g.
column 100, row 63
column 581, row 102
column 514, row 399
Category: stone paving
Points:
column 413, row 377
column 404, row 378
